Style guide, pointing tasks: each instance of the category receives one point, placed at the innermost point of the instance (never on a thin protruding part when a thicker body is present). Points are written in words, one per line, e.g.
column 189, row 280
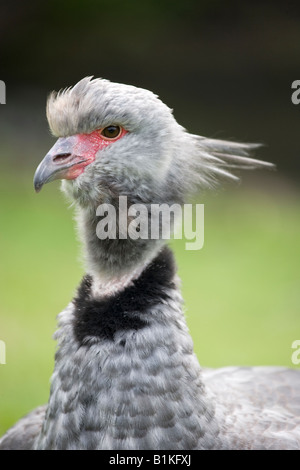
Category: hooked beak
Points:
column 61, row 162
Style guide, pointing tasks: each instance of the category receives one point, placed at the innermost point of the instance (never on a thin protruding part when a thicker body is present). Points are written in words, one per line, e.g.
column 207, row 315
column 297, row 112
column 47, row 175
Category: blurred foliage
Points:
column 226, row 69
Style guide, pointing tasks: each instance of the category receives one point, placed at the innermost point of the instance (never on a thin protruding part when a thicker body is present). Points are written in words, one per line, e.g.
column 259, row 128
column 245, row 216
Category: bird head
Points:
column 112, row 138
column 119, row 139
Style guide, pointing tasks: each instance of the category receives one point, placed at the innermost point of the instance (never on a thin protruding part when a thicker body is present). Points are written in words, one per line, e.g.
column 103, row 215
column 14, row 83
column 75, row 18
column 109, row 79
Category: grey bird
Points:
column 126, row 376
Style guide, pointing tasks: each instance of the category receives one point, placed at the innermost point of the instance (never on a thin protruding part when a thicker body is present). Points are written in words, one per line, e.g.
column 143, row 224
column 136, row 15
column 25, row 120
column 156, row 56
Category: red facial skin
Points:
column 85, row 148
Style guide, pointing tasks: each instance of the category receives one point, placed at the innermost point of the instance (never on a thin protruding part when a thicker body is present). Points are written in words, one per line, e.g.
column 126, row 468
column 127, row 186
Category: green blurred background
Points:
column 226, row 68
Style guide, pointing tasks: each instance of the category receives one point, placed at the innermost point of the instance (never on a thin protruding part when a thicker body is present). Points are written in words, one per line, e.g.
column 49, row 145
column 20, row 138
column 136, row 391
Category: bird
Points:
column 126, row 376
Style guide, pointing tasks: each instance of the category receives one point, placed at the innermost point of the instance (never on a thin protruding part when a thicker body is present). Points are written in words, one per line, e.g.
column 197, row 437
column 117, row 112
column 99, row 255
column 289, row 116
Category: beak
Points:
column 57, row 162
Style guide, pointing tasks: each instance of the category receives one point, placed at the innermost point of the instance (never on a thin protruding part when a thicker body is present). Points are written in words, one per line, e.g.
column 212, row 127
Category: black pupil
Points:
column 111, row 131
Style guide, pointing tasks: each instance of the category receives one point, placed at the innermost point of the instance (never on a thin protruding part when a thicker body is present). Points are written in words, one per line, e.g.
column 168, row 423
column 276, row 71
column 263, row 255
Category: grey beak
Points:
column 45, row 172
column 57, row 162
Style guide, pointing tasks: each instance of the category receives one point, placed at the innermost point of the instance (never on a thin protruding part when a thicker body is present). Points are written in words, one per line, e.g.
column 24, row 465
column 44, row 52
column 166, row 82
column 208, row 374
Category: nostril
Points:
column 61, row 157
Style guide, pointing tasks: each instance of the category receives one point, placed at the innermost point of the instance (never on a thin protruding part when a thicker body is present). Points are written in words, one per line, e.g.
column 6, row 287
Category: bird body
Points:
column 125, row 375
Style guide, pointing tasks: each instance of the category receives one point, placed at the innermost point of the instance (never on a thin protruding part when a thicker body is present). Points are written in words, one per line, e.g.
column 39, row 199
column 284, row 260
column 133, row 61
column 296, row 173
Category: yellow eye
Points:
column 111, row 132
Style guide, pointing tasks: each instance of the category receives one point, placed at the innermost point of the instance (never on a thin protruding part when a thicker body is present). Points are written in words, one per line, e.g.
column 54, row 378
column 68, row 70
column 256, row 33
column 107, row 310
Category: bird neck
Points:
column 116, row 260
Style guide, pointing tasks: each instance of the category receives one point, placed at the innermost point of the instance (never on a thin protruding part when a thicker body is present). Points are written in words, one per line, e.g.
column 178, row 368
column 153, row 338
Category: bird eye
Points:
column 111, row 132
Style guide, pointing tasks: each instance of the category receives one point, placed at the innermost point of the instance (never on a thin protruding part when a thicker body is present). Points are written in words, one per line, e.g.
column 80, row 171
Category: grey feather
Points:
column 23, row 434
column 125, row 375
